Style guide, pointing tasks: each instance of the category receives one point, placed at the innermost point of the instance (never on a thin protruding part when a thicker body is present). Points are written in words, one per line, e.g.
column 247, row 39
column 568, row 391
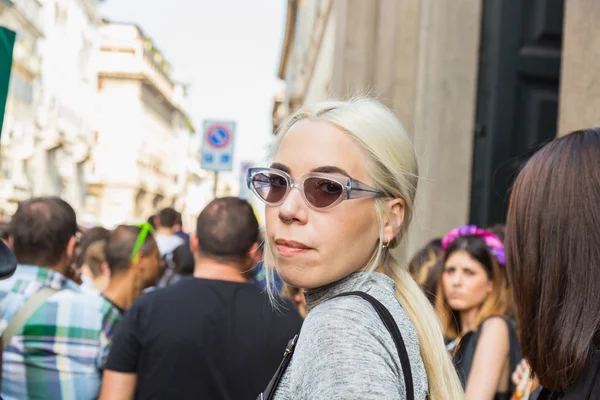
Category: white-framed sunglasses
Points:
column 319, row 190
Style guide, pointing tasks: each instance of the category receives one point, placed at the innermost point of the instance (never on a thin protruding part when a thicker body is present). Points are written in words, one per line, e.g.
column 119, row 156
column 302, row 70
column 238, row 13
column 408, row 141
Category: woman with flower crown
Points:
column 474, row 305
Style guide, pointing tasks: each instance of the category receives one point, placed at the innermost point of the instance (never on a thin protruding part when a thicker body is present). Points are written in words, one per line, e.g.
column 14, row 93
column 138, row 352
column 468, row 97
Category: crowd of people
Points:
column 120, row 305
column 316, row 306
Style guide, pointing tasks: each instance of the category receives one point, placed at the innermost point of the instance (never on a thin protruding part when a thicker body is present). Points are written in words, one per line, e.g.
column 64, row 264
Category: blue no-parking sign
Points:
column 217, row 147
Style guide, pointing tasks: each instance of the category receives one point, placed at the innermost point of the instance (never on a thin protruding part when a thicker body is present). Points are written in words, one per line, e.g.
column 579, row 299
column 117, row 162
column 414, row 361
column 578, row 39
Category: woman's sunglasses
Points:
column 319, row 190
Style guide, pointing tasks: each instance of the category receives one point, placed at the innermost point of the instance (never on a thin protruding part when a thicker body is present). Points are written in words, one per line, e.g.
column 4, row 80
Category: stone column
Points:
column 355, row 48
column 444, row 115
column 580, row 86
column 421, row 59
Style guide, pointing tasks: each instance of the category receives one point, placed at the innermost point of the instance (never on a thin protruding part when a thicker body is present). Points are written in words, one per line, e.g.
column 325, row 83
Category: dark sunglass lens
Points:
column 322, row 192
column 270, row 187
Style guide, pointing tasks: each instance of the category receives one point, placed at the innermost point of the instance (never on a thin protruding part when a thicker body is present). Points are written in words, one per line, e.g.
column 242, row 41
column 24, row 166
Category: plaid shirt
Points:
column 61, row 350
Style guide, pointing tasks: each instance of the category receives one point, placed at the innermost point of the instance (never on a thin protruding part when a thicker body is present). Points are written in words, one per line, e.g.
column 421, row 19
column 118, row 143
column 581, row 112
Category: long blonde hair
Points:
column 392, row 165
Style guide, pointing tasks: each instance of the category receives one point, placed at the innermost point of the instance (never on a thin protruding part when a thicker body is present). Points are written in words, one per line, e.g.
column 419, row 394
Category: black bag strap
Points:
column 390, row 324
column 269, row 392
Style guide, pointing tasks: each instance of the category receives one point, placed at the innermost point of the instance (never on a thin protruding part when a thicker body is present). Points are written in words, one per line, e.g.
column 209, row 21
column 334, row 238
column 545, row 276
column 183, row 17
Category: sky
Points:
column 227, row 51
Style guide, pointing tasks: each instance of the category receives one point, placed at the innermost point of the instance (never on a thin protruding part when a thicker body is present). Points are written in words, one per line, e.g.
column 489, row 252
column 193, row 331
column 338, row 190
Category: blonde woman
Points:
column 474, row 303
column 339, row 197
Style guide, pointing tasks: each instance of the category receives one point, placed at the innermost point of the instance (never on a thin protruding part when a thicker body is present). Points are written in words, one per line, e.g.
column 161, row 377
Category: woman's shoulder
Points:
column 497, row 323
column 346, row 335
column 346, row 312
column 352, row 322
column 494, row 331
column 347, row 321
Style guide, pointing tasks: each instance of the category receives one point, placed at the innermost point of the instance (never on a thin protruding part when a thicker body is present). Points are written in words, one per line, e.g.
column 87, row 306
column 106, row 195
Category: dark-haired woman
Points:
column 553, row 252
column 473, row 303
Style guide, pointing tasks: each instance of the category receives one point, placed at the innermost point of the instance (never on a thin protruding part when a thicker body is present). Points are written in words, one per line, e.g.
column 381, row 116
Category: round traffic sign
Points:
column 218, row 136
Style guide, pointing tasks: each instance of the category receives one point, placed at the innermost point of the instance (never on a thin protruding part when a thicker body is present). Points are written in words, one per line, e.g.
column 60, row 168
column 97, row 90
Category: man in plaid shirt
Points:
column 60, row 350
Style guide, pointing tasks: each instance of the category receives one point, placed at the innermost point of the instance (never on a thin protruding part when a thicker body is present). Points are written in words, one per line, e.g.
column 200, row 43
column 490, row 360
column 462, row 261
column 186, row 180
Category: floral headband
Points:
column 492, row 241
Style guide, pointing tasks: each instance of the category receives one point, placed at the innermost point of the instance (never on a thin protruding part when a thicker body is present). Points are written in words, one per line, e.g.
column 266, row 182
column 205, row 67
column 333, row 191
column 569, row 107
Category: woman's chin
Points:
column 305, row 277
column 297, row 276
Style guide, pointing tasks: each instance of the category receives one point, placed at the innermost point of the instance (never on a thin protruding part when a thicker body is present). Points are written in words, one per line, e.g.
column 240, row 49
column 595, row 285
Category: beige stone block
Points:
column 444, row 115
column 355, row 52
column 580, row 74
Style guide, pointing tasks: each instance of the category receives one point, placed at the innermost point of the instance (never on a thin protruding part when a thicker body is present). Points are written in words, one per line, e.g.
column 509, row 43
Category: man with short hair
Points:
column 95, row 274
column 212, row 336
column 178, row 229
column 165, row 236
column 56, row 336
column 90, row 261
column 131, row 269
column 167, row 242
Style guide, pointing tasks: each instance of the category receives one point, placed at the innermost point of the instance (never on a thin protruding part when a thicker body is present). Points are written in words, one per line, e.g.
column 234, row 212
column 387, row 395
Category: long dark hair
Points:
column 553, row 254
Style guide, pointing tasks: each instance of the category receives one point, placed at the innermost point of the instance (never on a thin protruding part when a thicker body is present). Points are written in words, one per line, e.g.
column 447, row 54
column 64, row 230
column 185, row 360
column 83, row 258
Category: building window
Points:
column 28, row 172
column 21, row 89
column 60, row 15
column 81, row 182
column 6, row 171
column 158, row 200
column 53, row 170
column 140, row 206
column 84, row 58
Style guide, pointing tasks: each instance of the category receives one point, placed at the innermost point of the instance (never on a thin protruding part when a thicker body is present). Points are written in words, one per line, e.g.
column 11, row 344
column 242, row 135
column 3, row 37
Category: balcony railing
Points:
column 133, row 63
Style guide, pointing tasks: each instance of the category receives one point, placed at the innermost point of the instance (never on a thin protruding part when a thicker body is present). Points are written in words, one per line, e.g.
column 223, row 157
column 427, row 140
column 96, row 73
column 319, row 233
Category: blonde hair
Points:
column 392, row 165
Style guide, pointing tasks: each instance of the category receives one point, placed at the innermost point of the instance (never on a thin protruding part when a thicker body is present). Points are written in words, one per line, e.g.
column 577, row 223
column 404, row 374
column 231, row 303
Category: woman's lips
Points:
column 289, row 248
column 454, row 296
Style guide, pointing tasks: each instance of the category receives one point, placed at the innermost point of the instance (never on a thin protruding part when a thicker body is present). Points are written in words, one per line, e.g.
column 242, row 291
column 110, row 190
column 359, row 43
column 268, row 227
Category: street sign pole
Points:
column 216, row 183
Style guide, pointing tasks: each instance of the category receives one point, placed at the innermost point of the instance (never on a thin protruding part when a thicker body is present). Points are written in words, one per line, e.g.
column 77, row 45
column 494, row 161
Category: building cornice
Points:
column 288, row 38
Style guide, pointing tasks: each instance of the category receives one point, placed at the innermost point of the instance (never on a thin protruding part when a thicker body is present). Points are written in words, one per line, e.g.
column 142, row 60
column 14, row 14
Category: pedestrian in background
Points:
column 134, row 263
column 554, row 265
column 425, row 267
column 474, row 304
column 211, row 336
column 55, row 336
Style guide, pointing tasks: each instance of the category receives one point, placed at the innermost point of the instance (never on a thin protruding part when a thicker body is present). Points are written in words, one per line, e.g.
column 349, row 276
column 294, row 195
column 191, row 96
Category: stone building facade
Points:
column 478, row 85
column 146, row 152
column 94, row 116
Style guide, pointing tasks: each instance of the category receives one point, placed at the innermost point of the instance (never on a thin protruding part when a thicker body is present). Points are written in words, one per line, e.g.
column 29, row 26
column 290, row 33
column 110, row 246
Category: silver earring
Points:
column 385, row 245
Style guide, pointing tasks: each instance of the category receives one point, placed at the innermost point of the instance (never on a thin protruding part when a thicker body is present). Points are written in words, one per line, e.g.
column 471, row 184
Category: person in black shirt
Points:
column 211, row 336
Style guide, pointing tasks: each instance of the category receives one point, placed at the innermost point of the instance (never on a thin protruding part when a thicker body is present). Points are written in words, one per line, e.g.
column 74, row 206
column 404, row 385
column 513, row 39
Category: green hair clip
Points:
column 146, row 228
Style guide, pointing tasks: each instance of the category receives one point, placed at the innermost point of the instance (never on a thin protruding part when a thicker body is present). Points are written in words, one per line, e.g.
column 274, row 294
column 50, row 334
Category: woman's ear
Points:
column 194, row 243
column 393, row 219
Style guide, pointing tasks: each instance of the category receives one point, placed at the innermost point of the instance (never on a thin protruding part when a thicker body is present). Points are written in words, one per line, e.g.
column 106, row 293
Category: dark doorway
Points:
column 517, row 99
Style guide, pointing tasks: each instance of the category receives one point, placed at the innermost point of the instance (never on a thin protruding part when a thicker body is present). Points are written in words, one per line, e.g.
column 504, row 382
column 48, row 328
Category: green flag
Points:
column 7, row 42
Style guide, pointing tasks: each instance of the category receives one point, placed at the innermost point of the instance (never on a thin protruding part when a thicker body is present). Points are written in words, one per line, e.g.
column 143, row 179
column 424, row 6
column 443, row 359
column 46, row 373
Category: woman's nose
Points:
column 293, row 207
column 457, row 279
